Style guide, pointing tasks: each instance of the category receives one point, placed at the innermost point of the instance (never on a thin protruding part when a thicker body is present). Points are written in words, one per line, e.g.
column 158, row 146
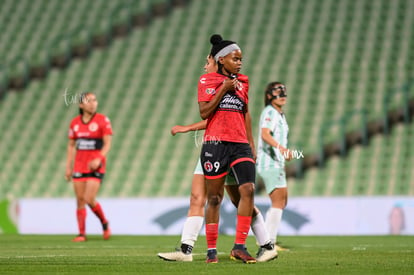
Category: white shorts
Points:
column 273, row 178
column 198, row 169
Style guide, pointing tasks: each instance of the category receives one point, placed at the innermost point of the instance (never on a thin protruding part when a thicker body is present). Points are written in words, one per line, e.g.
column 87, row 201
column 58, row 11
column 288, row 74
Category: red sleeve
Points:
column 247, row 93
column 245, row 82
column 207, row 87
column 71, row 132
column 106, row 126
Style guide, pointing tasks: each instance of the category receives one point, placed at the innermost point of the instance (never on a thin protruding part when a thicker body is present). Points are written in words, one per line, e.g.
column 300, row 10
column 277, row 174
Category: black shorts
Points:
column 78, row 177
column 217, row 158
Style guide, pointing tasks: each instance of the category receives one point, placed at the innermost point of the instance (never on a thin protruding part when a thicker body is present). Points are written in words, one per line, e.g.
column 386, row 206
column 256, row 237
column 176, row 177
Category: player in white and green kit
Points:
column 272, row 153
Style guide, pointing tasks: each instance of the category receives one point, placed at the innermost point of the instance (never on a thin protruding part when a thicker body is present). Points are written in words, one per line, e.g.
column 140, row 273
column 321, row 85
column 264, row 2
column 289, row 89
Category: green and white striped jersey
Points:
column 268, row 156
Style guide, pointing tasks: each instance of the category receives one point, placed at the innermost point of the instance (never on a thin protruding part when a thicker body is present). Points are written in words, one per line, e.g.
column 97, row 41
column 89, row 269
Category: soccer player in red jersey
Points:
column 223, row 101
column 195, row 217
column 90, row 136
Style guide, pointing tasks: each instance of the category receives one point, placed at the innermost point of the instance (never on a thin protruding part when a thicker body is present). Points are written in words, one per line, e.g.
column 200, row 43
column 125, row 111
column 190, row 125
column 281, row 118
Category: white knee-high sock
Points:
column 259, row 229
column 273, row 219
column 191, row 229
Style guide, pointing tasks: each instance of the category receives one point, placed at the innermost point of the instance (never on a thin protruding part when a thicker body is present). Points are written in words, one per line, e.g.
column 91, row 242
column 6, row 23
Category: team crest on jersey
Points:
column 93, row 127
column 239, row 86
column 208, row 166
column 210, row 91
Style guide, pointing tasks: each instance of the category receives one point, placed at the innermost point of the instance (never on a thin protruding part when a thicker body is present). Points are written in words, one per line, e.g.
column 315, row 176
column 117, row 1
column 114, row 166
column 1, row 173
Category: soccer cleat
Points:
column 266, row 253
column 177, row 256
column 79, row 238
column 106, row 231
column 280, row 248
column 212, row 256
column 243, row 255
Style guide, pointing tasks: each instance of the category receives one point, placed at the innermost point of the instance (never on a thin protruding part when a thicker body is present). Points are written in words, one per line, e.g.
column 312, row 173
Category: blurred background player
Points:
column 195, row 216
column 223, row 99
column 272, row 153
column 90, row 136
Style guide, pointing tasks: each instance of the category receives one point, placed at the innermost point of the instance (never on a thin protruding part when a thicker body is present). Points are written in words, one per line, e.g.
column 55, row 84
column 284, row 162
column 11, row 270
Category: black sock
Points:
column 211, row 252
column 186, row 248
column 239, row 246
column 268, row 246
column 105, row 226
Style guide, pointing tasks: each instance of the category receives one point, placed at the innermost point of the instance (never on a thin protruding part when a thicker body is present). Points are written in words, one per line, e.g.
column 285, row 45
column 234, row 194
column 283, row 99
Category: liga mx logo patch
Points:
column 208, row 166
column 210, row 91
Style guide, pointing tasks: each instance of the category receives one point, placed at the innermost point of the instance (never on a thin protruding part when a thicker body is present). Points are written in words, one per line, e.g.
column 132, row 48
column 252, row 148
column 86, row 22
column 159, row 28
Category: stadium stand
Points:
column 382, row 168
column 337, row 58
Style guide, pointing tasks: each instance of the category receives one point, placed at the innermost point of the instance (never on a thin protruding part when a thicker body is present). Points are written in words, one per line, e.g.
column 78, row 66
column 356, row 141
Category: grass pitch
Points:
column 56, row 254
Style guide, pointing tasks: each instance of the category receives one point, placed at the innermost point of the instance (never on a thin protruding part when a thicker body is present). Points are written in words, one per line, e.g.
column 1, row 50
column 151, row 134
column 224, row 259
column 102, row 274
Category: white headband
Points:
column 226, row 50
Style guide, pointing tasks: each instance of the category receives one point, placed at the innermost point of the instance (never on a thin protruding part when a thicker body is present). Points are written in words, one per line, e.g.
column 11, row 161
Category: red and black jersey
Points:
column 89, row 140
column 227, row 123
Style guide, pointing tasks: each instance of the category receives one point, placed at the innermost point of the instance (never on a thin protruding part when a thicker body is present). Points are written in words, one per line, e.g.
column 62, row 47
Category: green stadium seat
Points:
column 334, row 56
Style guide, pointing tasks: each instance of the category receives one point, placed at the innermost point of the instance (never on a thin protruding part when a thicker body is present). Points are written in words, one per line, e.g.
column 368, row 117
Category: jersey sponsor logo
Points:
column 208, row 155
column 230, row 101
column 93, row 127
column 210, row 91
column 89, row 144
column 203, row 80
column 84, row 134
column 208, row 166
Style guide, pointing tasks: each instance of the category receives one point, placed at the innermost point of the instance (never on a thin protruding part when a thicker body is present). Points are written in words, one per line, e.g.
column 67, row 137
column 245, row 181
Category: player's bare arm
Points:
column 249, row 132
column 95, row 163
column 201, row 125
column 71, row 151
column 267, row 137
